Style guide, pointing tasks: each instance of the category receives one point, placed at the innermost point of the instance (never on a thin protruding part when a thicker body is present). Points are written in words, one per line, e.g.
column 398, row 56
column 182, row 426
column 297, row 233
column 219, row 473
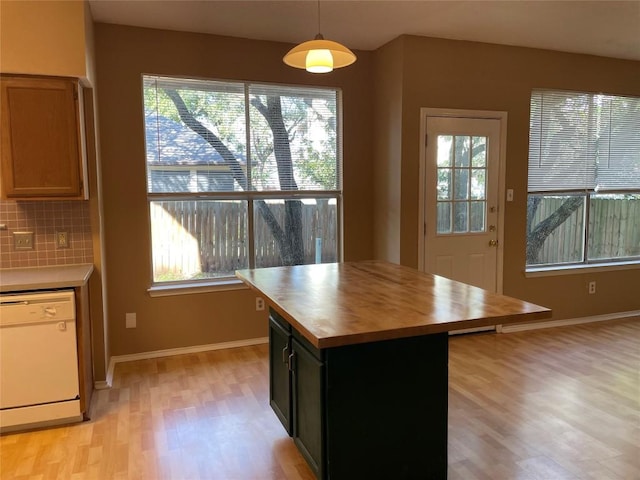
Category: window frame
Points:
column 604, row 264
column 223, row 283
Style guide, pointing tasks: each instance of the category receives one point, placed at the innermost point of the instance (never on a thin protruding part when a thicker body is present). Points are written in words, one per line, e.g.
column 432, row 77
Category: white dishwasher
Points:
column 38, row 360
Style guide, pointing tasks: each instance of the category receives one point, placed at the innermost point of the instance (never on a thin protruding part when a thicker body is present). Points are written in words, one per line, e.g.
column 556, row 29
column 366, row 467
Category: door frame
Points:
column 501, row 116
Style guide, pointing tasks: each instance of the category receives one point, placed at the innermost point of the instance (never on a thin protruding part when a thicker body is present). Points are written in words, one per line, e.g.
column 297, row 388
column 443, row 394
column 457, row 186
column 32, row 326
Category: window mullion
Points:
column 250, row 201
column 251, row 239
column 585, row 221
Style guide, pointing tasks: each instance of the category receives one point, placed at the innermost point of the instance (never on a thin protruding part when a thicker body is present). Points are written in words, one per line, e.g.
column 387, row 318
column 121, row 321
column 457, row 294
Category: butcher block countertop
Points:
column 43, row 278
column 337, row 304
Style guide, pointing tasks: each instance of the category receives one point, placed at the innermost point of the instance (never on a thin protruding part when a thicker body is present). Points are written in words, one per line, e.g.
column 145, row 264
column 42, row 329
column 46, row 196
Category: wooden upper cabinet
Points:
column 41, row 141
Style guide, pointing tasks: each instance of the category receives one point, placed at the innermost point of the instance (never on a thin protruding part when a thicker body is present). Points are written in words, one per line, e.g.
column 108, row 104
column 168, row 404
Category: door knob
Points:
column 493, row 243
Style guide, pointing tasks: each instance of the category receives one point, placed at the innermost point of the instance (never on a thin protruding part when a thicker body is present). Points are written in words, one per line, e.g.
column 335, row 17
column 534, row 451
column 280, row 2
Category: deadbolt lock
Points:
column 492, row 228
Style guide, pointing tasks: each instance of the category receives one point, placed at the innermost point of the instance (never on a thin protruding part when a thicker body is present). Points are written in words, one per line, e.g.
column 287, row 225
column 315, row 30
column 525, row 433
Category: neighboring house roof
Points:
column 173, row 143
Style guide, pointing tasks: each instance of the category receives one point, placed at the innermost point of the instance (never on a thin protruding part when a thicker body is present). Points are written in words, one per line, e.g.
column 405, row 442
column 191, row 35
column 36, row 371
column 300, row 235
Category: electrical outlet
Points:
column 23, row 240
column 259, row 304
column 592, row 288
column 62, row 239
column 130, row 320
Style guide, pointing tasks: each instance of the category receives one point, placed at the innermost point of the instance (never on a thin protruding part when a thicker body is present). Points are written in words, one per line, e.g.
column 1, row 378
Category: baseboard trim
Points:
column 520, row 327
column 174, row 351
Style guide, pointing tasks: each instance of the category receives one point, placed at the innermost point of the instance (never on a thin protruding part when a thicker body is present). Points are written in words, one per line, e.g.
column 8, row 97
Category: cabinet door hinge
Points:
column 426, row 140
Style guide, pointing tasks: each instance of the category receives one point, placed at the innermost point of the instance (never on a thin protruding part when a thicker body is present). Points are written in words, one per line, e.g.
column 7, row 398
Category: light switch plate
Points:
column 510, row 195
column 130, row 320
column 23, row 240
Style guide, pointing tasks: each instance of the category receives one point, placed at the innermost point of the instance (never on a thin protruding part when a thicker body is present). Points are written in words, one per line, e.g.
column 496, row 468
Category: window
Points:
column 584, row 179
column 462, row 184
column 239, row 176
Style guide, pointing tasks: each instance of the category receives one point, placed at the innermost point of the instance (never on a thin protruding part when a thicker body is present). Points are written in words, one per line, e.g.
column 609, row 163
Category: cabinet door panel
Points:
column 279, row 376
column 387, row 405
column 308, row 422
column 40, row 138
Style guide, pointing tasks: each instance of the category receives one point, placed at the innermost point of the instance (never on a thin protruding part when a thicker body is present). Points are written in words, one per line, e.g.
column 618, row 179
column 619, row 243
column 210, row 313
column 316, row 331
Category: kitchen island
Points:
column 359, row 362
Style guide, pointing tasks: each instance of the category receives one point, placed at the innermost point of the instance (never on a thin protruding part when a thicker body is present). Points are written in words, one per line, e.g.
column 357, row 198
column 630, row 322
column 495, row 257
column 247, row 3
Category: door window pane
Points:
column 460, row 217
column 462, row 151
column 445, row 150
column 444, row 184
column 479, row 152
column 477, row 218
column 461, row 180
column 444, row 217
column 478, row 184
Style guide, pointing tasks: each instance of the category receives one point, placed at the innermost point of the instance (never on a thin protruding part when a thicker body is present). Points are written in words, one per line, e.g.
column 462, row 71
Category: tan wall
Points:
column 123, row 54
column 43, row 38
column 387, row 72
column 468, row 75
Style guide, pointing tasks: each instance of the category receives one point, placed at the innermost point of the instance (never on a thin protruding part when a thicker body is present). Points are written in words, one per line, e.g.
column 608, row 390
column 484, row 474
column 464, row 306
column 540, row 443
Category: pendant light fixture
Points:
column 319, row 55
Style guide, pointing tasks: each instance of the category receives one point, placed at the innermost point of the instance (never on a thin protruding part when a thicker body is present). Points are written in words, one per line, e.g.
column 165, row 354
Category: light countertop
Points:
column 43, row 278
column 339, row 304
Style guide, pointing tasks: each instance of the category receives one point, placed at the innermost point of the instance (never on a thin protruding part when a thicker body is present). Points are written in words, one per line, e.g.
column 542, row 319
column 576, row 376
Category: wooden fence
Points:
column 614, row 230
column 199, row 239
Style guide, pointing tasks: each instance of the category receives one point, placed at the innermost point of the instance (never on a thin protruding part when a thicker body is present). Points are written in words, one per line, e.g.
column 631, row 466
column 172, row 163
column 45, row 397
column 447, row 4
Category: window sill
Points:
column 195, row 287
column 575, row 269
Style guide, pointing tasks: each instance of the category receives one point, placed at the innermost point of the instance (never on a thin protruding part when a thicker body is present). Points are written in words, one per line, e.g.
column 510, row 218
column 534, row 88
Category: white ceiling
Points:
column 606, row 28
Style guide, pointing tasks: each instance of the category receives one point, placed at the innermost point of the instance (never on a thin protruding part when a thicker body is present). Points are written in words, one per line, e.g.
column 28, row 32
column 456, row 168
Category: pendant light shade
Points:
column 319, row 55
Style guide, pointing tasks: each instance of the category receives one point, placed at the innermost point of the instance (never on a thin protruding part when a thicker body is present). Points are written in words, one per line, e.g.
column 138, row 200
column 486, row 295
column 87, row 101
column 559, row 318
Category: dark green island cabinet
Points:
column 371, row 410
column 359, row 362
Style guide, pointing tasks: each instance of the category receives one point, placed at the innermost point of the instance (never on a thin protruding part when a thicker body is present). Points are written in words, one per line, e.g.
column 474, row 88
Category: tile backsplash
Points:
column 44, row 219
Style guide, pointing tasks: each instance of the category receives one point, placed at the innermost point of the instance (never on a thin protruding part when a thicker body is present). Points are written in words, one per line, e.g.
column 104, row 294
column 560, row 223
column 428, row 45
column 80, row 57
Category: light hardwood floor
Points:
column 561, row 403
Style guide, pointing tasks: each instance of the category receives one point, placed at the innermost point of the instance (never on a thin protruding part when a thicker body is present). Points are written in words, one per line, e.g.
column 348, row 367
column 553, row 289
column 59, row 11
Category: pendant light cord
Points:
column 319, row 31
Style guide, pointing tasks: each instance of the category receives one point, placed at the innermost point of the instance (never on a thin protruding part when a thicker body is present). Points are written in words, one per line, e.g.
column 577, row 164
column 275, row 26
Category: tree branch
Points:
column 537, row 237
column 190, row 121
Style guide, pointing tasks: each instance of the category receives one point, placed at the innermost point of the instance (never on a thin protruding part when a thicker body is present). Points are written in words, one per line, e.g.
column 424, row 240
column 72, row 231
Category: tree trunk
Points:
column 272, row 113
column 289, row 238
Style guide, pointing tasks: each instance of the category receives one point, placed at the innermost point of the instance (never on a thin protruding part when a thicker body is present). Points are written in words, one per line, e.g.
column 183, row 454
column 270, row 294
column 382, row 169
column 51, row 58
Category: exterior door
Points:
column 462, row 163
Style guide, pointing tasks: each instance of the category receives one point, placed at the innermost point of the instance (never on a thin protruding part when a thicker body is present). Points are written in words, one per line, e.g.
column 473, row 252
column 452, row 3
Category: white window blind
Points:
column 308, row 161
column 583, row 141
column 293, row 137
column 619, row 162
